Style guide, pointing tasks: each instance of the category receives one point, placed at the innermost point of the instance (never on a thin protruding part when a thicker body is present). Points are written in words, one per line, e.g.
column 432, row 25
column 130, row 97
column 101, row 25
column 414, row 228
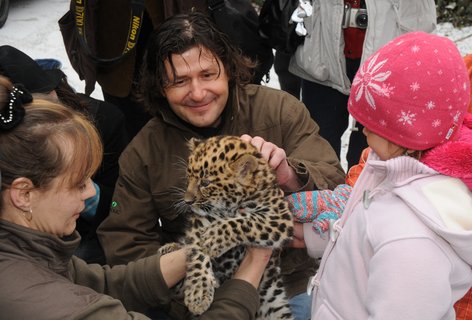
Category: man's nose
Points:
column 197, row 90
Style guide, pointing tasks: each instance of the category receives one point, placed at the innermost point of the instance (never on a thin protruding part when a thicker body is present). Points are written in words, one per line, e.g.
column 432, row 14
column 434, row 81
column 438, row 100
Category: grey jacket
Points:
column 321, row 58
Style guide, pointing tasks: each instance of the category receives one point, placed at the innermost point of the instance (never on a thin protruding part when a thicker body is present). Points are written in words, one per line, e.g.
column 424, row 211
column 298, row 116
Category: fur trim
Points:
column 468, row 64
column 454, row 158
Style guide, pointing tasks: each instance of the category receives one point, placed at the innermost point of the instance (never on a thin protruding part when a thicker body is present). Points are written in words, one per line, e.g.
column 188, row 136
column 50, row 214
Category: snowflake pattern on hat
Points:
column 413, row 91
column 371, row 80
column 406, row 118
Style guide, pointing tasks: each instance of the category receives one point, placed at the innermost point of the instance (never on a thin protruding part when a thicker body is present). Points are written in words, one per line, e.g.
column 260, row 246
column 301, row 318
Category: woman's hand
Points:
column 253, row 265
column 173, row 267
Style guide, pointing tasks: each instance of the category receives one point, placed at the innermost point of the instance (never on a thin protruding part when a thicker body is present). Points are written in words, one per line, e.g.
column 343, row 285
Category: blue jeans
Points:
column 301, row 307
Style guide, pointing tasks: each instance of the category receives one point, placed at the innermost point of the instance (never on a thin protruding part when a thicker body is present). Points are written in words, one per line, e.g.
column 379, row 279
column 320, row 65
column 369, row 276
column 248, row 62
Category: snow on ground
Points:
column 32, row 27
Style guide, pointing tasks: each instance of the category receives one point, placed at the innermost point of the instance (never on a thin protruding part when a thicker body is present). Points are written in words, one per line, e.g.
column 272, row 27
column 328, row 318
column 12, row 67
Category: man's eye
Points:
column 209, row 75
column 179, row 83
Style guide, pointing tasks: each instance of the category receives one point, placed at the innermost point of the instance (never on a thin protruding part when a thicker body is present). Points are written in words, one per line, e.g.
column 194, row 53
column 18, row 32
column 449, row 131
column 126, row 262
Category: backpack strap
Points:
column 137, row 12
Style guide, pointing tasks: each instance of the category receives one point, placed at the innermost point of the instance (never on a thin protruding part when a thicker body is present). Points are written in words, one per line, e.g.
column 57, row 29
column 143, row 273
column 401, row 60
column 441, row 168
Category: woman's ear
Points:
column 20, row 193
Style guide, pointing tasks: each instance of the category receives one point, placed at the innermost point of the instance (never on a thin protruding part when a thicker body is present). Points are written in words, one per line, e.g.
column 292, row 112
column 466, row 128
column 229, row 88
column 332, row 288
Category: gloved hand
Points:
column 319, row 207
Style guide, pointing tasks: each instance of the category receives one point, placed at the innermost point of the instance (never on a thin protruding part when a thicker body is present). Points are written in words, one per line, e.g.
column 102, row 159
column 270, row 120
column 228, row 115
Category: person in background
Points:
column 42, row 194
column 195, row 83
column 410, row 208
column 333, row 50
column 287, row 80
column 110, row 122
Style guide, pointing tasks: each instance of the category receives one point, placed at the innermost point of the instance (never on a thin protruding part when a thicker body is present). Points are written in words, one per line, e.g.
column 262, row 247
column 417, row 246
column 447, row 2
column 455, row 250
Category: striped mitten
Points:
column 319, row 207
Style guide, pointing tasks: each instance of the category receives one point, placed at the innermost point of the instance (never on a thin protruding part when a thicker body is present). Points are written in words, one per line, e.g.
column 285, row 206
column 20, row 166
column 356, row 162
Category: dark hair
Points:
column 181, row 33
column 36, row 147
column 69, row 97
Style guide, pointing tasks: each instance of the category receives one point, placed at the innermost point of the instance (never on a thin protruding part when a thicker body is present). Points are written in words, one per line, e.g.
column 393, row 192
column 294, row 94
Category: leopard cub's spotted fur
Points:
column 236, row 201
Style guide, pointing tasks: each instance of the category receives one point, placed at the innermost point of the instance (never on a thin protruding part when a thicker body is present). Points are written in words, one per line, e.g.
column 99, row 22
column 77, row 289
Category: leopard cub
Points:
column 233, row 194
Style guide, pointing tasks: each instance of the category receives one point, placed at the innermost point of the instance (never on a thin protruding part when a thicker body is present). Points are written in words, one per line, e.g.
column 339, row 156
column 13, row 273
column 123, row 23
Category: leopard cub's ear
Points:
column 193, row 143
column 244, row 166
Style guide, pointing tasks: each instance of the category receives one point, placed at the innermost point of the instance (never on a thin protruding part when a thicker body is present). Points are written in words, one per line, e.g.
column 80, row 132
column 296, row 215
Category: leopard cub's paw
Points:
column 199, row 297
column 170, row 247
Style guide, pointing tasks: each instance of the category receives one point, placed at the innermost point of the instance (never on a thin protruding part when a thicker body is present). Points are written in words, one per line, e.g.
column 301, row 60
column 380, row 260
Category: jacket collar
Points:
column 399, row 170
column 43, row 248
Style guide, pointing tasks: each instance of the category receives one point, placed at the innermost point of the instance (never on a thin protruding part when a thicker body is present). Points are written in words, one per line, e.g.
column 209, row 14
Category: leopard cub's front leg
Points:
column 200, row 282
column 221, row 237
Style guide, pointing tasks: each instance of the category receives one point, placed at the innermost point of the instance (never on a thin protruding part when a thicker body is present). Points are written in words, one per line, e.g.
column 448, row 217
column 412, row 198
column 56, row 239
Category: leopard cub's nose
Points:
column 189, row 199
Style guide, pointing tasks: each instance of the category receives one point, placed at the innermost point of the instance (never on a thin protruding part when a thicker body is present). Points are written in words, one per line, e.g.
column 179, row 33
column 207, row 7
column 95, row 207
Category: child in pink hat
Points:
column 403, row 246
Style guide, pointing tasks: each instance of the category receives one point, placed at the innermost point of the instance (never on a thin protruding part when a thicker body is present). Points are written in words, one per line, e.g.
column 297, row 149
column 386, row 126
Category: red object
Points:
column 353, row 37
column 463, row 307
column 356, row 170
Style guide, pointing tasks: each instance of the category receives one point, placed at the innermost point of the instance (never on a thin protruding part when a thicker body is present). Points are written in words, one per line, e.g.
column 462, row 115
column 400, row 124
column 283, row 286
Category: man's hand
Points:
column 286, row 176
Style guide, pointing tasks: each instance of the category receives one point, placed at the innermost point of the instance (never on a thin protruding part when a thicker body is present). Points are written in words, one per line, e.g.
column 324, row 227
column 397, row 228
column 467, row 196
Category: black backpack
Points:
column 275, row 26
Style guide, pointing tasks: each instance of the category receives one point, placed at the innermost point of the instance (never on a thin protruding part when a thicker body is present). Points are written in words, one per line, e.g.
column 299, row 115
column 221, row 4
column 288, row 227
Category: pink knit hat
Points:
column 414, row 91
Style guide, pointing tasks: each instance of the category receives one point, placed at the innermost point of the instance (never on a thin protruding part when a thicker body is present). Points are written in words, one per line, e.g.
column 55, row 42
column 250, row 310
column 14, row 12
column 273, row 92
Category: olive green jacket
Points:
column 40, row 279
column 152, row 171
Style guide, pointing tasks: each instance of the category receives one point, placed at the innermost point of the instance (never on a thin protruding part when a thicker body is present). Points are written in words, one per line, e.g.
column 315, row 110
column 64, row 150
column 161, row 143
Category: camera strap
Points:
column 136, row 21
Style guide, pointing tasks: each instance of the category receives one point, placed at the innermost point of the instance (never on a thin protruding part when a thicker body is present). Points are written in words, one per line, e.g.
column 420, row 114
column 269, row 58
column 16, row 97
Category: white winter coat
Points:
column 402, row 249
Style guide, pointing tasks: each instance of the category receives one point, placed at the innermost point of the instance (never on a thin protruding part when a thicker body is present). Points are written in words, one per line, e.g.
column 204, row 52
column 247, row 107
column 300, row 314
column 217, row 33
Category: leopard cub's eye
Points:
column 204, row 183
